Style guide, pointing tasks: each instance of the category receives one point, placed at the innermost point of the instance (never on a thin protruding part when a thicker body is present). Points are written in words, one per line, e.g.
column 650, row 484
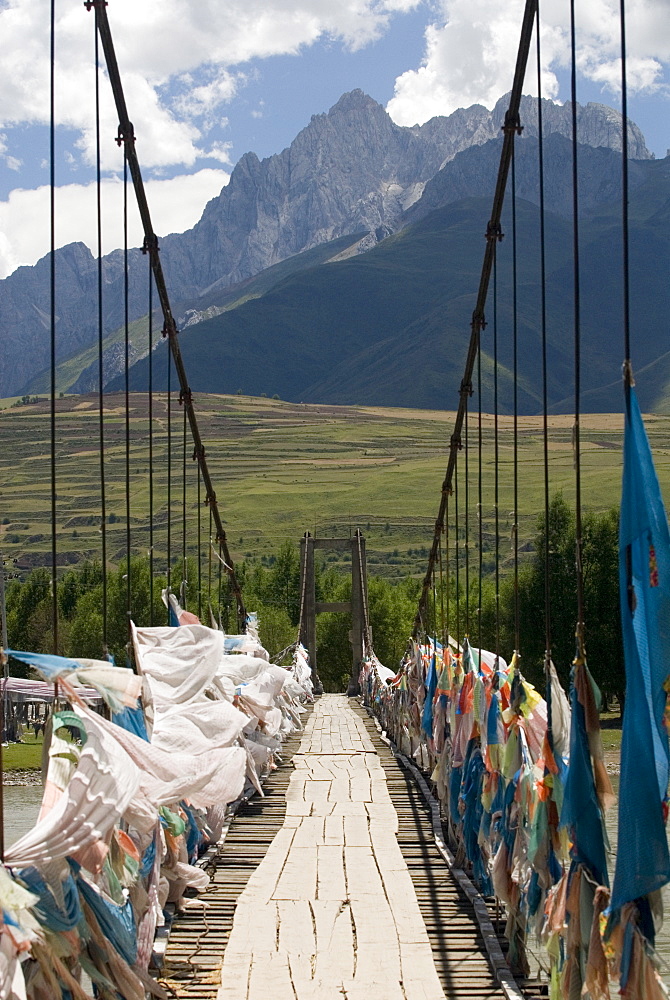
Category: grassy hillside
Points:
column 211, row 303
column 280, row 469
column 390, row 327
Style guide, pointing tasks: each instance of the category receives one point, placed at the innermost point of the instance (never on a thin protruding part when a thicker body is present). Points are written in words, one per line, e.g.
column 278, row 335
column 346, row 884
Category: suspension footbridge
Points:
column 214, row 825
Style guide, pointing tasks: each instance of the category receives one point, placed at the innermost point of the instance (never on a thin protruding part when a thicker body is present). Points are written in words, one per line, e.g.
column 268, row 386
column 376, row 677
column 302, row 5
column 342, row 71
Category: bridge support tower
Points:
column 311, row 607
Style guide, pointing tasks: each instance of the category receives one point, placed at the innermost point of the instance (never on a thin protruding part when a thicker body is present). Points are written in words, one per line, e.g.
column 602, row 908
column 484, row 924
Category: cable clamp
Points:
column 125, row 133
column 494, row 232
column 466, row 387
column 150, row 245
column 456, row 442
column 199, row 454
column 90, row 4
column 627, row 372
column 447, row 490
column 512, row 124
column 478, row 322
column 164, row 331
column 185, row 396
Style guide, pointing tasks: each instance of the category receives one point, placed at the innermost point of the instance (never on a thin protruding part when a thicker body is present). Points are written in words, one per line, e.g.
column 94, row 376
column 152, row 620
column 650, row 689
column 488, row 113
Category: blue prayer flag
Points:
column 51, row 667
column 431, row 687
column 643, row 863
column 581, row 812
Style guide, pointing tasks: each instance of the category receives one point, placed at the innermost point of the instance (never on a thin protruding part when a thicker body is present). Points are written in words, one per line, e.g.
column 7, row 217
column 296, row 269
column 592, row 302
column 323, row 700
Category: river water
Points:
column 21, row 806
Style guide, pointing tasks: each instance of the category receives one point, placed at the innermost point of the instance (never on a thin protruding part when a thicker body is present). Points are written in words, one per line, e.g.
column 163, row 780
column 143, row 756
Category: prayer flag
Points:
column 643, row 863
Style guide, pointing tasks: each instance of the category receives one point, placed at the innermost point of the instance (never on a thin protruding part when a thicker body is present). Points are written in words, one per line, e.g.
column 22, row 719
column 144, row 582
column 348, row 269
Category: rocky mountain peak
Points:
column 597, row 124
column 355, row 100
column 351, row 169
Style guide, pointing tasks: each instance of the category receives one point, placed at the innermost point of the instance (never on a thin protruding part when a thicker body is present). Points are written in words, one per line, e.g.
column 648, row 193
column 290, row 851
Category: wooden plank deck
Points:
column 334, row 889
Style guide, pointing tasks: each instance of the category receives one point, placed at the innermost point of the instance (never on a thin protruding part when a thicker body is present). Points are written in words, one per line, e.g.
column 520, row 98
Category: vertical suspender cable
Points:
column 466, row 543
column 479, row 500
column 184, row 570
column 545, row 406
column 624, row 201
column 151, row 449
column 448, row 575
column 126, row 366
column 220, row 568
column 515, row 367
column 101, row 415
column 545, row 402
column 496, row 450
column 209, row 565
column 577, row 337
column 168, row 400
column 197, row 472
column 442, row 633
column 456, row 554
column 52, row 283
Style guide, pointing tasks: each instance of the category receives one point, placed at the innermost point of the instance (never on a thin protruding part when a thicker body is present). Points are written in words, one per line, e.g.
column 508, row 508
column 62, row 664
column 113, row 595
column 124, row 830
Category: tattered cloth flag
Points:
column 431, row 686
column 643, row 864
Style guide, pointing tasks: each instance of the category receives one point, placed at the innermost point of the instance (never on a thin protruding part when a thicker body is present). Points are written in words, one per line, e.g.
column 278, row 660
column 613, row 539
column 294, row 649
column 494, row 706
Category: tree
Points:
column 601, row 599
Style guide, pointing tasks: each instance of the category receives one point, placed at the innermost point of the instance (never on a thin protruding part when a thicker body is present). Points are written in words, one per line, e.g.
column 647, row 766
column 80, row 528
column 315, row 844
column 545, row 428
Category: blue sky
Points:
column 206, row 81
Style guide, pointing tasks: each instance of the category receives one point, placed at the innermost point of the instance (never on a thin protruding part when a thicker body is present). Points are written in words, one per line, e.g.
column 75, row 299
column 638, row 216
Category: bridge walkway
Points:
column 347, row 899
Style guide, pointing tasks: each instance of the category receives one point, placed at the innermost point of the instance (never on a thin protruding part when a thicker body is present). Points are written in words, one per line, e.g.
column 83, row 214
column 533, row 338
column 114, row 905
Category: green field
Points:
column 281, row 469
column 24, row 756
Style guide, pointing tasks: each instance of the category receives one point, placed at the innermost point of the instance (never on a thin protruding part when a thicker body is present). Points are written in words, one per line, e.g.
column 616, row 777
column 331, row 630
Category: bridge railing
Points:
column 502, row 776
column 141, row 803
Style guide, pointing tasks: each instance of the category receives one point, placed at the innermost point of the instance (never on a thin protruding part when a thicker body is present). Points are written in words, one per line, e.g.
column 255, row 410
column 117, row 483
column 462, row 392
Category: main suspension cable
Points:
column 511, row 127
column 127, row 137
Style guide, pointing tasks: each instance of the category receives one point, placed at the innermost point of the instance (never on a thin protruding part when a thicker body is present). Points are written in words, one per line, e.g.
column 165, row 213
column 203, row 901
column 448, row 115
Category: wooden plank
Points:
column 352, row 899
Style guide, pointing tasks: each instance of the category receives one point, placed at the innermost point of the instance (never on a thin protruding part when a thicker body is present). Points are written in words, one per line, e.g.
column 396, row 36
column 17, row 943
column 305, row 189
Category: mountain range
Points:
column 344, row 269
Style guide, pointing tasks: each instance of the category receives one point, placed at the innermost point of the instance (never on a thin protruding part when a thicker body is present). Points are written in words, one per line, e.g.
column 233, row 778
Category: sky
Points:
column 208, row 80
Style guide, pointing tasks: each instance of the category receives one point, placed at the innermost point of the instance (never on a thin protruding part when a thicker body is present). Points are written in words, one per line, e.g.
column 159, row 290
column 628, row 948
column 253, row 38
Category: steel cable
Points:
column 515, row 404
column 52, row 329
column 579, row 632
column 545, row 388
column 126, row 367
column 101, row 414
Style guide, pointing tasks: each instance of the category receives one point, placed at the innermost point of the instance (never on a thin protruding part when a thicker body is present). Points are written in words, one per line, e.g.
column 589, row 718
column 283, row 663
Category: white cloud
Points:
column 160, row 45
column 219, row 151
column 471, row 51
column 175, row 205
column 12, row 162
